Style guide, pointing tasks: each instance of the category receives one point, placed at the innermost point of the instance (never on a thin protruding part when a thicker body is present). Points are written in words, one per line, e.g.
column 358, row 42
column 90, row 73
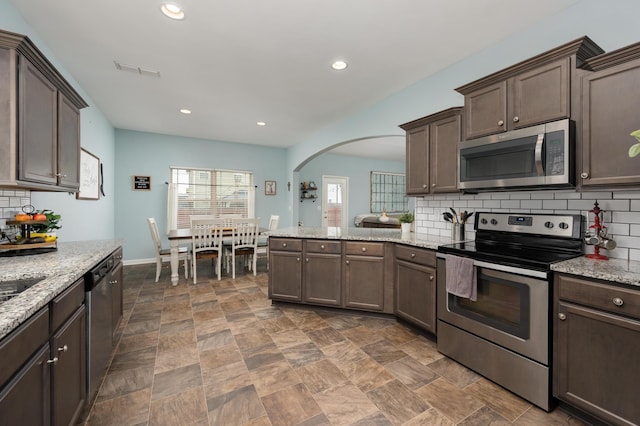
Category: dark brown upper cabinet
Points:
column 534, row 91
column 432, row 152
column 39, row 120
column 610, row 105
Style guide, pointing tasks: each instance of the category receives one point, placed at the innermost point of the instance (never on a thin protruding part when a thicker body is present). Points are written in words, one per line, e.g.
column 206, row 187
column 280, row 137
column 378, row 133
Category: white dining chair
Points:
column 244, row 242
column 164, row 255
column 263, row 242
column 206, row 239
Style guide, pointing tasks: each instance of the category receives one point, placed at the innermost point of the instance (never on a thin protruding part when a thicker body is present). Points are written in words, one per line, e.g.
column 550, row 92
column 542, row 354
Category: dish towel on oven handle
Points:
column 461, row 277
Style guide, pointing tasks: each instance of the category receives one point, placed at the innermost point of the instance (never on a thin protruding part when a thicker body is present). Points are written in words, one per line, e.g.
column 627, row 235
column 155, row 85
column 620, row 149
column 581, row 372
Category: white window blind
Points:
column 221, row 193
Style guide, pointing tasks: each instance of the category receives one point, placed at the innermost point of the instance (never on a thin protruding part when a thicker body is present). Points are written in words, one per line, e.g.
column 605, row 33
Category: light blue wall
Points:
column 356, row 169
column 81, row 219
column 150, row 154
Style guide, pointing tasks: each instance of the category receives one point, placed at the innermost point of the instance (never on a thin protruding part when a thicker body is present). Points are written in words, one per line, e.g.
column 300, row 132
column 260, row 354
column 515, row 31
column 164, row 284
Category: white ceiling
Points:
column 236, row 62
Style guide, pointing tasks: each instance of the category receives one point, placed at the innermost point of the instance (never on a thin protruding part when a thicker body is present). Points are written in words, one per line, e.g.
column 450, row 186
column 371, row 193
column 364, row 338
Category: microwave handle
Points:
column 538, row 154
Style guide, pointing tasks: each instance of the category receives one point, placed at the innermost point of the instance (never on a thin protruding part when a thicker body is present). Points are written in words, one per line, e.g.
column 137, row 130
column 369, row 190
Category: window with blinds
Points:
column 221, row 193
column 388, row 192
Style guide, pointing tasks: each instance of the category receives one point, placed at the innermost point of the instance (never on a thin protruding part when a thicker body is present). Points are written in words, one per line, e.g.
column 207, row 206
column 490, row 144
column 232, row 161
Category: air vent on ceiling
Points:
column 137, row 70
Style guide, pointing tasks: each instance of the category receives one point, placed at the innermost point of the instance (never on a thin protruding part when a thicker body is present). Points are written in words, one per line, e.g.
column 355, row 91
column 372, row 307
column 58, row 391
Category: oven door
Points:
column 511, row 310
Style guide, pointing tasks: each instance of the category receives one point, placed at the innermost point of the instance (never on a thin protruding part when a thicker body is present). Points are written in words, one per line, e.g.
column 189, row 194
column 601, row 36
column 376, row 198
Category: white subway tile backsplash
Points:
column 621, row 216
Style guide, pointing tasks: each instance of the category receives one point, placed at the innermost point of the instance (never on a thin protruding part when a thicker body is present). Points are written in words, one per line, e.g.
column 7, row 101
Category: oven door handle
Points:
column 512, row 269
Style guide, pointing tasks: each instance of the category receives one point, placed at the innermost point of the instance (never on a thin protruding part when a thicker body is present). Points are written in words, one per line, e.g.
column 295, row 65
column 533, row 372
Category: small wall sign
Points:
column 142, row 183
column 269, row 187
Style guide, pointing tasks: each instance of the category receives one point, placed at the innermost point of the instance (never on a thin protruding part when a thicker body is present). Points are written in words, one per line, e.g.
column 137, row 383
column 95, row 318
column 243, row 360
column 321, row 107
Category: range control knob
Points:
column 483, row 221
column 494, row 222
column 548, row 225
column 563, row 225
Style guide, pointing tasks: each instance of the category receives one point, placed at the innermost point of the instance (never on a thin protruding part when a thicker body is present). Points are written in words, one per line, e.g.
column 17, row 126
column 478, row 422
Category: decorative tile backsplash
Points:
column 11, row 202
column 622, row 212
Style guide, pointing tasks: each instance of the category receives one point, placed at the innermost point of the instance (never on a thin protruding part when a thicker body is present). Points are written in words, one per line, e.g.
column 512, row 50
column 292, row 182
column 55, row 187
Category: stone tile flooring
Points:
column 219, row 353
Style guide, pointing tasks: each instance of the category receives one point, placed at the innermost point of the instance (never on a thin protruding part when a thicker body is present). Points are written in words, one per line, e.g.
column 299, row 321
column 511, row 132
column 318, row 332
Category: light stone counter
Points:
column 616, row 270
column 363, row 234
column 59, row 269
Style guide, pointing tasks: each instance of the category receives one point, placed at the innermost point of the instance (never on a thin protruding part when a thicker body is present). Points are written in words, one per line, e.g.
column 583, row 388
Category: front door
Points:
column 335, row 212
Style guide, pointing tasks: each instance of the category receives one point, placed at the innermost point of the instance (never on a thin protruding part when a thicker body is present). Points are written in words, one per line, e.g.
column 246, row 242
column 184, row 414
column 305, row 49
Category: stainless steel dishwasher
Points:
column 99, row 322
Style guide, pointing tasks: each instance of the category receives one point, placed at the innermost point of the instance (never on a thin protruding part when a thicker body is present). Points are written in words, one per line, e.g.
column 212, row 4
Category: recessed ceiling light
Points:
column 185, row 111
column 261, row 123
column 339, row 65
column 172, row 11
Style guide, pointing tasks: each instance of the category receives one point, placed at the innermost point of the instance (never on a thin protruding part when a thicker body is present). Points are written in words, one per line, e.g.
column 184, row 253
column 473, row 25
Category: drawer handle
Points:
column 63, row 349
column 284, row 244
column 322, row 247
column 364, row 249
column 413, row 255
column 53, row 361
column 562, row 316
column 114, row 282
column 617, row 301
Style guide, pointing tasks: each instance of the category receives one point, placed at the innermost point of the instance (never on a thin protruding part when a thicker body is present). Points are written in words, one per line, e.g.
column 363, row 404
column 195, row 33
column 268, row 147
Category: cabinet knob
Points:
column 53, row 361
column 433, row 185
column 284, row 244
column 424, row 186
column 430, row 277
column 297, row 259
column 562, row 316
column 617, row 301
column 63, row 349
column 114, row 282
column 584, row 175
column 347, row 262
column 364, row 249
column 516, row 119
column 306, row 260
column 500, row 123
column 413, row 255
column 322, row 247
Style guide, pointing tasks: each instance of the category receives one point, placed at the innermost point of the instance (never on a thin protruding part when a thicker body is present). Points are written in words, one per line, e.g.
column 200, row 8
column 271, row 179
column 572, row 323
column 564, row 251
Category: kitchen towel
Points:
column 461, row 277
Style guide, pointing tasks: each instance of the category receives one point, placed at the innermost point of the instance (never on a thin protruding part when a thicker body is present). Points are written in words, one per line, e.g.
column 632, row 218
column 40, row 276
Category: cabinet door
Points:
column 26, row 400
column 540, row 95
column 69, row 372
column 322, row 279
column 68, row 143
column 117, row 296
column 37, row 126
column 417, row 161
column 416, row 294
column 610, row 113
column 445, row 135
column 364, row 282
column 597, row 365
column 485, row 110
column 285, row 275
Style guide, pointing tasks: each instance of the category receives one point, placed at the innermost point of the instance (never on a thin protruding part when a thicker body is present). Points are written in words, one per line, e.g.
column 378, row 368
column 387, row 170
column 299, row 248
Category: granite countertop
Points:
column 58, row 269
column 616, row 270
column 364, row 234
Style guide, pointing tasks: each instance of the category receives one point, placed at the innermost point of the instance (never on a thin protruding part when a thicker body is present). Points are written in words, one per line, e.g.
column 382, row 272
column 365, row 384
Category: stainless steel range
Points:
column 505, row 333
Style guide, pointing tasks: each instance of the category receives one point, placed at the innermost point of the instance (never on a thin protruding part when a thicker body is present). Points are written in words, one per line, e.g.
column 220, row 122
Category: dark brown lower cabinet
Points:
column 285, row 269
column 597, row 347
column 364, row 276
column 26, row 399
column 323, row 272
column 416, row 294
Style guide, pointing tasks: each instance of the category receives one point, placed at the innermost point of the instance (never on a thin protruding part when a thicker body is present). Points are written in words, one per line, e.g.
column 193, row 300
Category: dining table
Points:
column 180, row 237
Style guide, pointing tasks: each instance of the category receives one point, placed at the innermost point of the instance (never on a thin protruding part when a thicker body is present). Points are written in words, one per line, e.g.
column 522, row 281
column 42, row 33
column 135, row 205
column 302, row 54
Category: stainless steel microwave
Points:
column 533, row 157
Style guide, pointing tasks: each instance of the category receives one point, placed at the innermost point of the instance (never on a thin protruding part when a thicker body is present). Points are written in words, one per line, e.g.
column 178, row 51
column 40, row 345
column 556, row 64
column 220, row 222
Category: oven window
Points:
column 501, row 304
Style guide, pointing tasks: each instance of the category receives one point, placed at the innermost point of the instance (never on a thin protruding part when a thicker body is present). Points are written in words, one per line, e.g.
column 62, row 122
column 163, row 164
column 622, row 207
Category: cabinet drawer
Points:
column 365, row 249
column 599, row 294
column 66, row 303
column 18, row 346
column 321, row 246
column 285, row 244
column 416, row 255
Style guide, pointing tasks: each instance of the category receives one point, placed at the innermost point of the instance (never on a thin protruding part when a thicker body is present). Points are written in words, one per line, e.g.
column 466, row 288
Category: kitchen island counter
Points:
column 614, row 270
column 364, row 234
column 58, row 270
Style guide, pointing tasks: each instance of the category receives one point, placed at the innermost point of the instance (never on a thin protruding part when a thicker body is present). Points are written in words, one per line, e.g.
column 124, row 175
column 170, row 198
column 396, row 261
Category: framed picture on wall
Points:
column 269, row 187
column 89, row 176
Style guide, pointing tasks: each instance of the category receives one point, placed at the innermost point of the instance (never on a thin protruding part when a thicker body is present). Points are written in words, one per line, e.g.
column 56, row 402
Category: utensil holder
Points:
column 457, row 232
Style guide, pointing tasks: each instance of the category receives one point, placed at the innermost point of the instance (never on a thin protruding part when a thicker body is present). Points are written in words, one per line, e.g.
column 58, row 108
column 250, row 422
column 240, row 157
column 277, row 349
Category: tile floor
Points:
column 219, row 353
